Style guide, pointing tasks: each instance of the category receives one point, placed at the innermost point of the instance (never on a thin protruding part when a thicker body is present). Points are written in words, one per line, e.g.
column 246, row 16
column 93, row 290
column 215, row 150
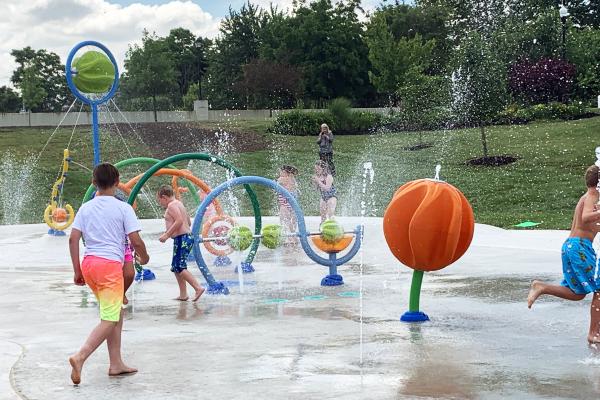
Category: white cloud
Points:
column 58, row 25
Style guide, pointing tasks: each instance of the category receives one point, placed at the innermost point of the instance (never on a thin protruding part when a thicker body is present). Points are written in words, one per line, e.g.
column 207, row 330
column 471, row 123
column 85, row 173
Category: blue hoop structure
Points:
column 332, row 279
column 91, row 102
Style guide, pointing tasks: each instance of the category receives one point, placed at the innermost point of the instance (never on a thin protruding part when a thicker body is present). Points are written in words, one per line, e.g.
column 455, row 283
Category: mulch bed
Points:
column 420, row 146
column 165, row 138
column 492, row 161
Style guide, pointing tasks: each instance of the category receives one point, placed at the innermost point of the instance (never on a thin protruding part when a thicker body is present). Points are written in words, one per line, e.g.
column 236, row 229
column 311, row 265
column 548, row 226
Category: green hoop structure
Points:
column 214, row 160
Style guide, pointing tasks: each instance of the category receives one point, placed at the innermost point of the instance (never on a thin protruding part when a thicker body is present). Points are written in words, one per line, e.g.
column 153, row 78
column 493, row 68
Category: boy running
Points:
column 579, row 258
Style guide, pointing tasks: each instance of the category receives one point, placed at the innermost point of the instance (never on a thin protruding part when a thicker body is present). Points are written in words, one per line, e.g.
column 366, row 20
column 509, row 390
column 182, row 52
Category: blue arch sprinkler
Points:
column 332, row 262
column 93, row 103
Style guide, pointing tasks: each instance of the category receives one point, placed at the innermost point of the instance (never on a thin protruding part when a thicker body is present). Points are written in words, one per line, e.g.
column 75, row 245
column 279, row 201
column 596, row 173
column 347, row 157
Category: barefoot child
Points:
column 287, row 179
column 104, row 222
column 178, row 225
column 579, row 258
column 324, row 182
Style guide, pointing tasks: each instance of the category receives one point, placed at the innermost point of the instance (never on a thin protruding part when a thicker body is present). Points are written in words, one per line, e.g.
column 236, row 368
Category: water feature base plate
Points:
column 332, row 280
column 222, row 261
column 414, row 316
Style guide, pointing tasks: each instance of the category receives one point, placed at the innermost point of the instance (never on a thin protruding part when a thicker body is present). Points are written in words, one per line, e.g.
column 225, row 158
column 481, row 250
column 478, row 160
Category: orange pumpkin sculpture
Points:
column 428, row 225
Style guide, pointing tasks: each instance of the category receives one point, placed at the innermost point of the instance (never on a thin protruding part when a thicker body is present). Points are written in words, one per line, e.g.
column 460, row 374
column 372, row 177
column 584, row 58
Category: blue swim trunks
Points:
column 579, row 266
column 182, row 247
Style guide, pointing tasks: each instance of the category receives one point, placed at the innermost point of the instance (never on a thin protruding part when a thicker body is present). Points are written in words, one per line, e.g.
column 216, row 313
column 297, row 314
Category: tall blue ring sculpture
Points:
column 91, row 102
column 333, row 279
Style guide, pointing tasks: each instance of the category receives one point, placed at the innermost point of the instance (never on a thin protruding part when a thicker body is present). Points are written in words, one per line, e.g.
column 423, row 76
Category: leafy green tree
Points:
column 479, row 84
column 424, row 100
column 10, row 101
column 268, row 84
column 48, row 71
column 326, row 41
column 237, row 45
column 408, row 21
column 583, row 50
column 189, row 56
column 392, row 58
column 539, row 38
column 32, row 89
column 191, row 96
column 150, row 72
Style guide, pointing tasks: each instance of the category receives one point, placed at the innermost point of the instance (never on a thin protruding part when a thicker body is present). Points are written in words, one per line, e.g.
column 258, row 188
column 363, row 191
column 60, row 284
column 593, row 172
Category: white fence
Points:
column 200, row 113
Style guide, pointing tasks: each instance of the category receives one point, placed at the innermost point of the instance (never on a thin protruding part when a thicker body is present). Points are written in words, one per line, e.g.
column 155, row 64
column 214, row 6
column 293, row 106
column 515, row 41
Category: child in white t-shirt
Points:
column 104, row 222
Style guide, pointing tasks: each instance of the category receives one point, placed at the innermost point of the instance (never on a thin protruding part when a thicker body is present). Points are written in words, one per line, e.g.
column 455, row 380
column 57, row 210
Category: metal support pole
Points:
column 95, row 134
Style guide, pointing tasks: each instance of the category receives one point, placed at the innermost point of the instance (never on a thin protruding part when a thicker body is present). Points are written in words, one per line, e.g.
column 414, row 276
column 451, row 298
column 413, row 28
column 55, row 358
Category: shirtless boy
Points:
column 579, row 258
column 178, row 224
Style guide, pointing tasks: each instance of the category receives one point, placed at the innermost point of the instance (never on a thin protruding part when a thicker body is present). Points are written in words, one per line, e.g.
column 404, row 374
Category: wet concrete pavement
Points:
column 287, row 337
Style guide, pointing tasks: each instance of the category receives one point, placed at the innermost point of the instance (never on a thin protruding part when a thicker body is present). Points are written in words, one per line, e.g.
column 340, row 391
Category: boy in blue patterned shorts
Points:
column 178, row 224
column 579, row 258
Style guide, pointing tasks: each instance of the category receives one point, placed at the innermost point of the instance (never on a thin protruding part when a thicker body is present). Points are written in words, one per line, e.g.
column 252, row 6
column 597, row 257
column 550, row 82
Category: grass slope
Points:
column 542, row 186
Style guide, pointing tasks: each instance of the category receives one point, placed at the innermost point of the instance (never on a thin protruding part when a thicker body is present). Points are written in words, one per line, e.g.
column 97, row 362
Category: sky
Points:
column 58, row 25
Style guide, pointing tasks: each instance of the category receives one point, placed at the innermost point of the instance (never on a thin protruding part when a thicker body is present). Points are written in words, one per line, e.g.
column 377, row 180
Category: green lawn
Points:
column 542, row 186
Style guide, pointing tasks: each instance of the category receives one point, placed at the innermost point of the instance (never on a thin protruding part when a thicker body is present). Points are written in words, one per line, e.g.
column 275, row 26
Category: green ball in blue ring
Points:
column 93, row 72
column 239, row 238
column 272, row 236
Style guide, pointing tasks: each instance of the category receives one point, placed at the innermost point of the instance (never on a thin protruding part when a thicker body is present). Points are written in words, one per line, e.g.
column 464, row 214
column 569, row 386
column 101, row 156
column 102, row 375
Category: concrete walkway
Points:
column 281, row 335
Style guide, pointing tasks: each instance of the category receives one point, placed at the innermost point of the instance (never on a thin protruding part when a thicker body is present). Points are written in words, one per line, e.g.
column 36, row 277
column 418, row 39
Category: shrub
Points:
column 305, row 123
column 552, row 111
column 301, row 123
column 542, row 81
column 340, row 110
column 431, row 119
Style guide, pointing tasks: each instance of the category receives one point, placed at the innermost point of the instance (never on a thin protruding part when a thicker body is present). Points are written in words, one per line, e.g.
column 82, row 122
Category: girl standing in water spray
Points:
column 323, row 180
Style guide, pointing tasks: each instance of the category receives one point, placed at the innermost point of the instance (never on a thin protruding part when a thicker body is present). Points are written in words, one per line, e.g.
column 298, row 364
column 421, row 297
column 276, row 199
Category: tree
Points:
column 237, row 45
column 326, row 42
column 10, row 101
column 479, row 84
column 48, row 71
column 424, row 100
column 268, row 84
column 149, row 71
column 405, row 21
column 583, row 50
column 32, row 89
column 392, row 58
column 191, row 96
column 189, row 56
column 539, row 38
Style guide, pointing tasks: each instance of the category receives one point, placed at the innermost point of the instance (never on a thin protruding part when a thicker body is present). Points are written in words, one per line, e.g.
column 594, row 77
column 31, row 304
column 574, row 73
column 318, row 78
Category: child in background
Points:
column 178, row 224
column 287, row 217
column 128, row 267
column 579, row 258
column 324, row 183
column 104, row 222
column 211, row 211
